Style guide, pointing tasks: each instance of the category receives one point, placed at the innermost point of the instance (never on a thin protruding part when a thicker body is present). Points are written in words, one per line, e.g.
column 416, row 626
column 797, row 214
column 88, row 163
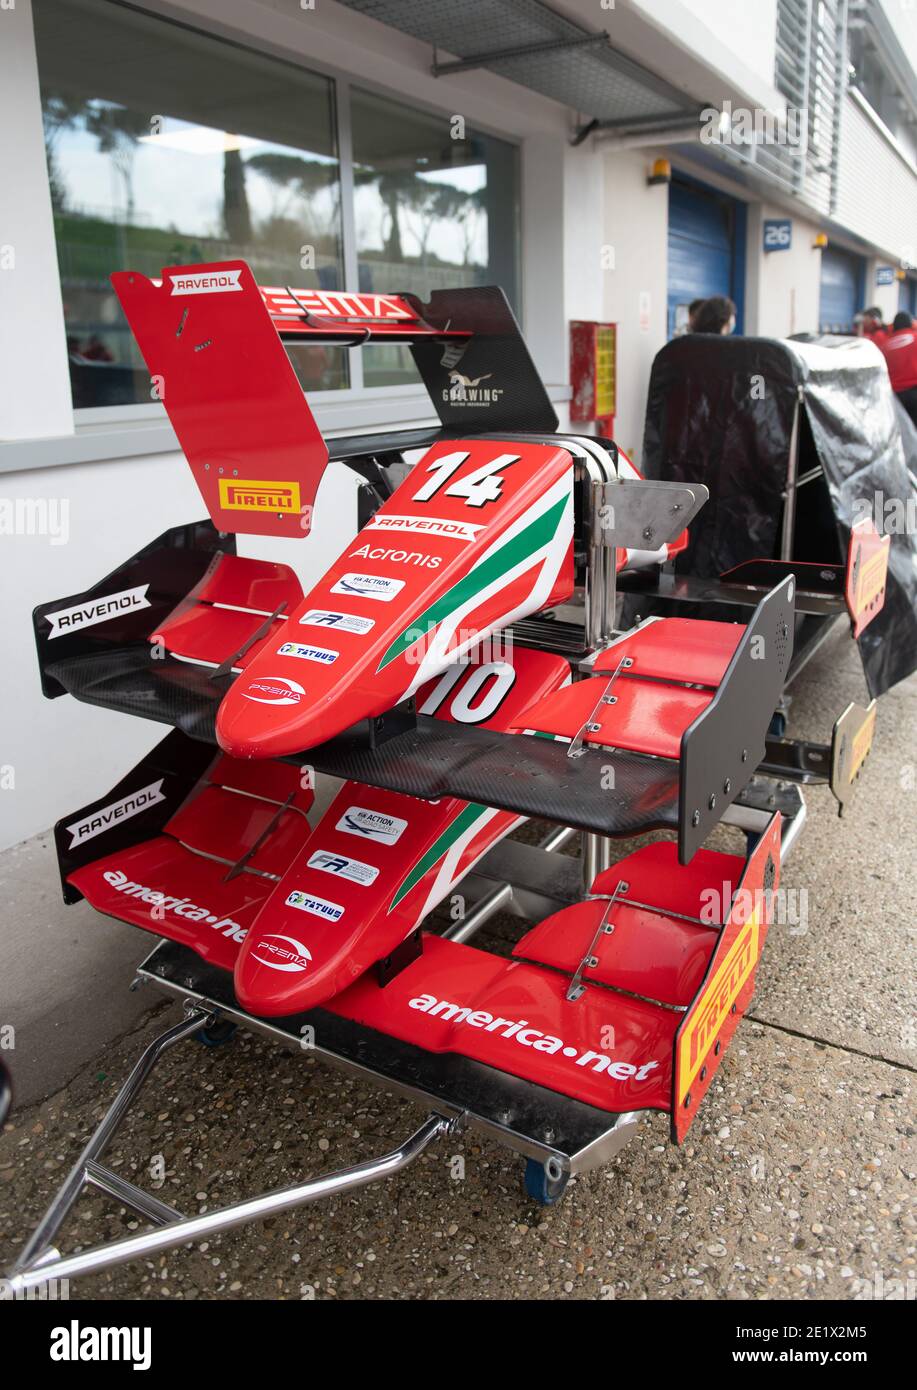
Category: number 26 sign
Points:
column 778, row 234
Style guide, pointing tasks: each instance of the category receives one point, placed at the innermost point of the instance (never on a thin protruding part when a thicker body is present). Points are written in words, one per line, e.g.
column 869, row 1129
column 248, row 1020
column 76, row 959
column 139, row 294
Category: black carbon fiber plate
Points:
column 131, row 681
column 612, row 793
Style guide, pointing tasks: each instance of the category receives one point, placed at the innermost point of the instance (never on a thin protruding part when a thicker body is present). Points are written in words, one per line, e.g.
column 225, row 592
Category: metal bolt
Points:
column 695, row 819
column 711, row 802
column 727, row 785
column 745, row 757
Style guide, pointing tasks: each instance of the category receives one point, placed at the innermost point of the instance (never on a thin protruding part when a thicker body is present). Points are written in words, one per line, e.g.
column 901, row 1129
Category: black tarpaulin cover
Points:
column 721, row 411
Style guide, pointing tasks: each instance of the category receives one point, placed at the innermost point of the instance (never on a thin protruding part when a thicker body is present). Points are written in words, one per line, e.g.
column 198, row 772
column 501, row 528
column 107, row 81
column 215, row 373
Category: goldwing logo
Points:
column 256, row 495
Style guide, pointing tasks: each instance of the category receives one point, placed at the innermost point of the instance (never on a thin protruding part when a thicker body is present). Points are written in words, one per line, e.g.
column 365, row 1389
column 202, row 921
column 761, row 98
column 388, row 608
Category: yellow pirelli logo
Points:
column 862, row 744
column 256, row 495
column 712, row 1009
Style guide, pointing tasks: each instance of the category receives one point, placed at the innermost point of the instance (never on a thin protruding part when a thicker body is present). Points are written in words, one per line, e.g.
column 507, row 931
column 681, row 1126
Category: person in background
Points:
column 716, row 315
column 899, row 348
column 693, row 308
column 868, row 324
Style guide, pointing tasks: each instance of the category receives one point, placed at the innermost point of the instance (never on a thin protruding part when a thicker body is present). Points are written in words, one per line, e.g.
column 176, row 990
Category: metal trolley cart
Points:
column 624, row 995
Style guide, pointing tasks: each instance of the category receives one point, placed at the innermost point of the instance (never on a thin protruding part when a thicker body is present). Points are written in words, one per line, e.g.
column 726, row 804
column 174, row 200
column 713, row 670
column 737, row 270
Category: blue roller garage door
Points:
column 841, row 290
column 704, row 231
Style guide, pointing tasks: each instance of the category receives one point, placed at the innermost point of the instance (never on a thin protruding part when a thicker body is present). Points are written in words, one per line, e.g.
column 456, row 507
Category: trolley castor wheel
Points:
column 777, row 727
column 216, row 1034
column 546, row 1182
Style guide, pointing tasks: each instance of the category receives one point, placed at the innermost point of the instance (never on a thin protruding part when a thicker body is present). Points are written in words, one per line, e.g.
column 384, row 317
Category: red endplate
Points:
column 867, row 573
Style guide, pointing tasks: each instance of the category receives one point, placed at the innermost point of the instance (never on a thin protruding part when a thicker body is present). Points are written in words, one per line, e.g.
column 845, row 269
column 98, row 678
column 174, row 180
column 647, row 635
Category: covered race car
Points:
column 458, row 670
column 801, row 445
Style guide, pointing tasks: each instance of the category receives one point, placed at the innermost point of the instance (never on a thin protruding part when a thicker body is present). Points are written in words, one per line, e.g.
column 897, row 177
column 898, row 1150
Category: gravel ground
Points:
column 796, row 1181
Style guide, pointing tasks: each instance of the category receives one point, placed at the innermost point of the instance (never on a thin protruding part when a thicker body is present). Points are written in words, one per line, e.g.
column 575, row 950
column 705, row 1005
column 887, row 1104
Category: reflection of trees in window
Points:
column 117, row 131
column 60, row 112
column 414, row 205
column 297, row 216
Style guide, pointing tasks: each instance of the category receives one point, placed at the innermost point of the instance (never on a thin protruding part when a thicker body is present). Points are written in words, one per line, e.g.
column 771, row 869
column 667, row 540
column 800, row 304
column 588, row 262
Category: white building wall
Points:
column 32, row 403
column 749, row 30
column 781, row 287
column 636, row 227
column 877, row 183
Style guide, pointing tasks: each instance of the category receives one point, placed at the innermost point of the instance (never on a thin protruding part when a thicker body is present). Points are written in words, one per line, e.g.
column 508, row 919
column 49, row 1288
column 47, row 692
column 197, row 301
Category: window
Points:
column 435, row 206
column 166, row 146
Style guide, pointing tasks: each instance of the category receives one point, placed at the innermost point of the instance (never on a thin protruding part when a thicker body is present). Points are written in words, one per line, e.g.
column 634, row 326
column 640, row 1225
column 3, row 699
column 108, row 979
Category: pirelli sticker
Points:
column 712, row 1008
column 256, row 495
column 862, row 742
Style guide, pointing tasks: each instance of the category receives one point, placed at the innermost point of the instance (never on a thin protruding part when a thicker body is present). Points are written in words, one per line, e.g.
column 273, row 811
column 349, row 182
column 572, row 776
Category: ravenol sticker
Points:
column 712, row 1008
column 343, row 622
column 345, row 867
column 374, row 586
column 96, row 610
column 212, row 282
column 372, row 825
column 319, row 907
column 437, row 525
column 324, row 655
column 257, row 495
column 99, row 821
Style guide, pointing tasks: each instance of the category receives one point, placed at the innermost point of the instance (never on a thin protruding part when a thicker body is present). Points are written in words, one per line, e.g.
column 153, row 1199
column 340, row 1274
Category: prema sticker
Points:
column 324, row 655
column 437, row 525
column 97, row 822
column 213, row 282
column 353, row 869
column 343, row 622
column 319, row 907
column 289, row 955
column 96, row 610
column 374, row 586
column 372, row 825
column 275, row 690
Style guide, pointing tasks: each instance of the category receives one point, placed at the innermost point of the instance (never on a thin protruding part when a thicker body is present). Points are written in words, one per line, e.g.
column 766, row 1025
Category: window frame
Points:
column 415, row 398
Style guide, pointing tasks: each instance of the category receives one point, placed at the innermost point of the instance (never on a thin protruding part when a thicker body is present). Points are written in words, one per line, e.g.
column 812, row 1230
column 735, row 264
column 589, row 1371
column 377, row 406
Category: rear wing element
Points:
column 213, row 342
column 230, row 392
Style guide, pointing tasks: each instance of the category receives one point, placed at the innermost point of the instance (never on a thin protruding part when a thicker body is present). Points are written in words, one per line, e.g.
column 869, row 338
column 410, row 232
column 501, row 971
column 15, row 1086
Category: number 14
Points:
column 485, row 484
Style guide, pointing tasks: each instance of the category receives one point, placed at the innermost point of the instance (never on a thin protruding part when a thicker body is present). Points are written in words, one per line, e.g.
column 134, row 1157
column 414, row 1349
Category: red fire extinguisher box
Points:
column 593, row 361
